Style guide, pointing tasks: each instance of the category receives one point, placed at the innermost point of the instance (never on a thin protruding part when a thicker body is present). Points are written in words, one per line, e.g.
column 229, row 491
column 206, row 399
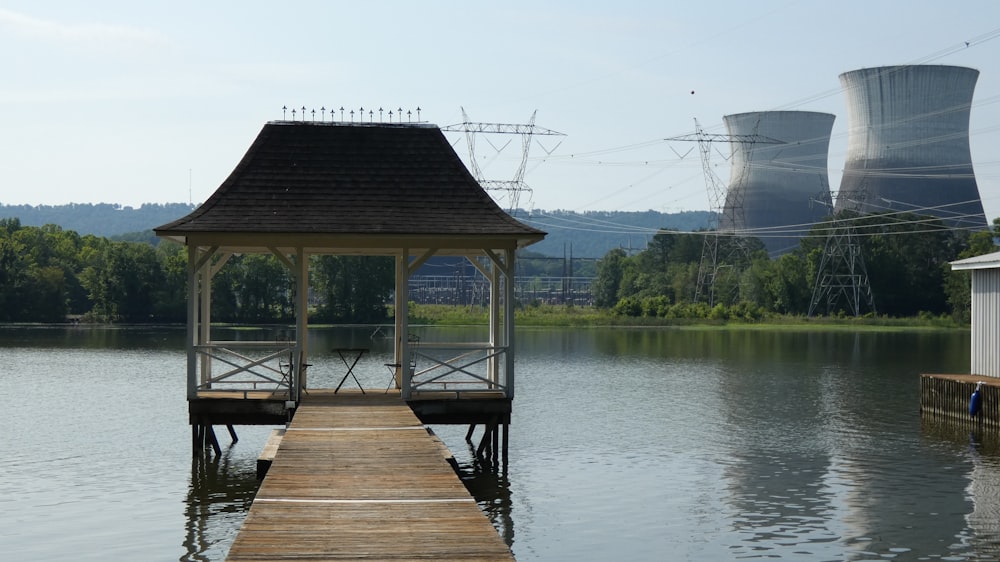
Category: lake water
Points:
column 626, row 444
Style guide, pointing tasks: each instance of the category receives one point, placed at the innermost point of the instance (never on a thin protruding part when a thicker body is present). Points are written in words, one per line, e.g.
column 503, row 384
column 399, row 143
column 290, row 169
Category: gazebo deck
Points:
column 267, row 407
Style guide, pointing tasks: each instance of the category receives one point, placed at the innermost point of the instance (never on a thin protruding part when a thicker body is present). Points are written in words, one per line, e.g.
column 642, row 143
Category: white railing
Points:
column 465, row 367
column 242, row 365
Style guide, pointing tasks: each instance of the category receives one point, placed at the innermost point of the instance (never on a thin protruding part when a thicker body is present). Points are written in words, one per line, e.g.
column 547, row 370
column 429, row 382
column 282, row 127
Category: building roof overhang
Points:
column 985, row 261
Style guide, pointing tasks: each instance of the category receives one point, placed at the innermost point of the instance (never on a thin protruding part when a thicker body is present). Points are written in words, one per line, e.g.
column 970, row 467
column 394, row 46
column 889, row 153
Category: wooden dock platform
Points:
column 946, row 396
column 358, row 477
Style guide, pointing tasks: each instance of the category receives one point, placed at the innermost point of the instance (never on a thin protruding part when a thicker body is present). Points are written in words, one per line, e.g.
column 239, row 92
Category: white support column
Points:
column 403, row 350
column 496, row 321
column 192, row 323
column 301, row 273
column 398, row 317
column 509, row 306
column 205, row 315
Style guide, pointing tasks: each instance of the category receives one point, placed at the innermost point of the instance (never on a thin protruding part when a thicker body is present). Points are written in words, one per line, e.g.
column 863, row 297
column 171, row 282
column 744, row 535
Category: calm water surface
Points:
column 626, row 444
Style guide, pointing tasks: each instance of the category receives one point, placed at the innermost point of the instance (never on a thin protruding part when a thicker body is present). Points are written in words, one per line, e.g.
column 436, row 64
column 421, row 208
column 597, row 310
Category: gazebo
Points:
column 370, row 189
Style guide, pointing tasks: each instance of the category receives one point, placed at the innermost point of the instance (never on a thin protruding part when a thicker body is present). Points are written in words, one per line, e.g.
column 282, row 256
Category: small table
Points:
column 345, row 353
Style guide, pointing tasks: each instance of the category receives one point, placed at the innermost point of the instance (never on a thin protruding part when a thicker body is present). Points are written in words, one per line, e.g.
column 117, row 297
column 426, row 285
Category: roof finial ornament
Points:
column 313, row 111
column 418, row 114
column 322, row 114
column 399, row 113
column 408, row 113
column 293, row 114
column 303, row 113
column 390, row 116
column 284, row 113
column 352, row 116
column 380, row 115
column 371, row 115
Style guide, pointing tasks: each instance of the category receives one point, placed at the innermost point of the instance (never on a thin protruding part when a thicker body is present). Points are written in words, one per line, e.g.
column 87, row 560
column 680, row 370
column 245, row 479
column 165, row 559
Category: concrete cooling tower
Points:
column 908, row 143
column 779, row 184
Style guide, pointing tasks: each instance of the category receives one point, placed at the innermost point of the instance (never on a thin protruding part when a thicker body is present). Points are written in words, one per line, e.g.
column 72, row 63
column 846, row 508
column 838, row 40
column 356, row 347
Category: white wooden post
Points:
column 205, row 314
column 402, row 322
column 496, row 336
column 192, row 323
column 301, row 273
column 509, row 306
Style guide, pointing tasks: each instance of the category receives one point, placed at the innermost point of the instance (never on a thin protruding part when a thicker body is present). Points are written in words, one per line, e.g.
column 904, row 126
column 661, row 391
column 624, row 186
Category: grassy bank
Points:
column 562, row 316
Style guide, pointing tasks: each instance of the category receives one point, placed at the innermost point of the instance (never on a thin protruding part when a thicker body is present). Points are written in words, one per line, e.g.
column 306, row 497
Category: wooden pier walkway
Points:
column 358, row 477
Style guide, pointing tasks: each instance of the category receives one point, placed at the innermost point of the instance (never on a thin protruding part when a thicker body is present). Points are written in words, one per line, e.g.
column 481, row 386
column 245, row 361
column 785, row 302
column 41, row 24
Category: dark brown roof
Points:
column 357, row 179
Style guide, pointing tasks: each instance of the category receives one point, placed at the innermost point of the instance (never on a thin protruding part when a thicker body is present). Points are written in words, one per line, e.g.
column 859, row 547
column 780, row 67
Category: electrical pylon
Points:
column 728, row 218
column 842, row 274
column 514, row 187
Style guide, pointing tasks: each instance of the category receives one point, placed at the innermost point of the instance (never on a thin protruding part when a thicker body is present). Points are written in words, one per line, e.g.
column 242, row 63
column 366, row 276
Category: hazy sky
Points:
column 131, row 102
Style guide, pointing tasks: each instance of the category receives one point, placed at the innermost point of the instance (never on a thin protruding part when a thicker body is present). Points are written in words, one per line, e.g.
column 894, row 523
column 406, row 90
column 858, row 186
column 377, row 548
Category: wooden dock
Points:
column 358, row 477
column 947, row 397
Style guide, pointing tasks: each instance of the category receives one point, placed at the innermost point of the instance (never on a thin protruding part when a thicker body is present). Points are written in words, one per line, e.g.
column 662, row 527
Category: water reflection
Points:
column 821, row 468
column 641, row 444
column 219, row 495
column 491, row 488
column 982, row 456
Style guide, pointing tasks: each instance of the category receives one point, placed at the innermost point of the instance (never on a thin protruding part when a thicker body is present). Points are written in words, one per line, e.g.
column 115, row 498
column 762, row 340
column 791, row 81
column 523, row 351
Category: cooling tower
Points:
column 908, row 143
column 779, row 184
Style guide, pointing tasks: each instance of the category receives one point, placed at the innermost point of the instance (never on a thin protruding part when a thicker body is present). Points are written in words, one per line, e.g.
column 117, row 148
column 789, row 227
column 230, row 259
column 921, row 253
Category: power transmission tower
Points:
column 842, row 274
column 726, row 206
column 514, row 187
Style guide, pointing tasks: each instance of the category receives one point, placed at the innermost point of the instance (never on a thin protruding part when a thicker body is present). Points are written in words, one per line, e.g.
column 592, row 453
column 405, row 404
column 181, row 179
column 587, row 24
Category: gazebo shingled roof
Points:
column 313, row 179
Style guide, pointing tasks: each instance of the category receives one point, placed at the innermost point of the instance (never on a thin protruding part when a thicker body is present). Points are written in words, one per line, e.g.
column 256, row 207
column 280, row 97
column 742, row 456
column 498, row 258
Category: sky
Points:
column 156, row 102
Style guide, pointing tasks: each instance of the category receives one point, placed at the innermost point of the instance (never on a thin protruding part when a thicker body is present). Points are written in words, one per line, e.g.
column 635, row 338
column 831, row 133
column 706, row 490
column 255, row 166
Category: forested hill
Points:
column 593, row 233
column 99, row 219
column 584, row 235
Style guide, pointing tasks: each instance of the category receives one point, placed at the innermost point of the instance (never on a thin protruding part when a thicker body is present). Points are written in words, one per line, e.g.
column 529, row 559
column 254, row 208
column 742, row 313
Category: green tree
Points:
column 253, row 288
column 905, row 255
column 958, row 284
column 171, row 295
column 609, row 278
column 123, row 281
column 353, row 288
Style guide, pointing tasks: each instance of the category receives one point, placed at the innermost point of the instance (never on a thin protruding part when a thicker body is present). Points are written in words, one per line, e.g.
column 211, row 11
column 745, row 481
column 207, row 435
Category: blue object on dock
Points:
column 976, row 402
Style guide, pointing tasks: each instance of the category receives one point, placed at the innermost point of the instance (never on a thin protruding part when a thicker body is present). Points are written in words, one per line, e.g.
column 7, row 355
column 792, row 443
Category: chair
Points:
column 412, row 366
column 287, row 369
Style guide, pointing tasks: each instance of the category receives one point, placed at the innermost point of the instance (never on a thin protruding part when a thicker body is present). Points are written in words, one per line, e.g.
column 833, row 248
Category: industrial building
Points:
column 779, row 184
column 908, row 143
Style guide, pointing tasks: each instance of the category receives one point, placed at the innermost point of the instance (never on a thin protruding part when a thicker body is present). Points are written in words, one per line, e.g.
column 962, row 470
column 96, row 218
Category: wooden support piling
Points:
column 484, row 442
column 506, row 438
column 266, row 456
column 495, row 429
column 213, row 440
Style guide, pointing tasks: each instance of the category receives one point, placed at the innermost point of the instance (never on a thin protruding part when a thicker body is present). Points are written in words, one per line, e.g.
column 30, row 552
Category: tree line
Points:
column 906, row 257
column 48, row 274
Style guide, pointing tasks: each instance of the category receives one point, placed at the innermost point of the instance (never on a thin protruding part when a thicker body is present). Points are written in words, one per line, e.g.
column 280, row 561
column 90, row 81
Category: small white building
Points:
column 985, row 312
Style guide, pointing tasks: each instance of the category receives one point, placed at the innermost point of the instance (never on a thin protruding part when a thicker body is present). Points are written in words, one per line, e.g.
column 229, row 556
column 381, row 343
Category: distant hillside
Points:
column 584, row 235
column 593, row 233
column 100, row 219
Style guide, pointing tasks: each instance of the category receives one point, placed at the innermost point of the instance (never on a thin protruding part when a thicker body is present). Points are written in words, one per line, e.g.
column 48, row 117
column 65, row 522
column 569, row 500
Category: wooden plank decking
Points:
column 358, row 477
